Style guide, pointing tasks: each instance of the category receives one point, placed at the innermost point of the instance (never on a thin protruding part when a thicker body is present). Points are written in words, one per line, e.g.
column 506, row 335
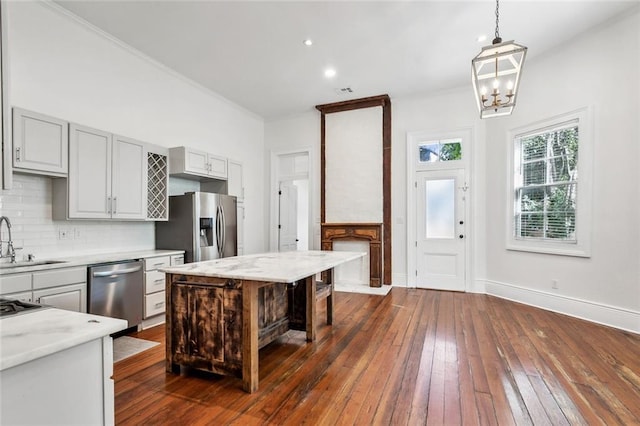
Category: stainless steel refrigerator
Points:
column 202, row 224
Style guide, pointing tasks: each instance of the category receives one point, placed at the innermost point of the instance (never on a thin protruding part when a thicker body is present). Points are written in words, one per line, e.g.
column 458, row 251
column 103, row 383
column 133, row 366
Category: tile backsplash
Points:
column 28, row 206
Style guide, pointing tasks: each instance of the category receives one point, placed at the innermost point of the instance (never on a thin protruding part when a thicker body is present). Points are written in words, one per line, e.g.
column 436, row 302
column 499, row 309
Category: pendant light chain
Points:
column 497, row 39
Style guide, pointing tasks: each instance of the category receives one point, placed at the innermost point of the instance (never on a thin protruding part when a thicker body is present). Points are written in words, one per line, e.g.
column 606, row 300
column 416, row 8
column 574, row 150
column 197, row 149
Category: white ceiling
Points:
column 252, row 53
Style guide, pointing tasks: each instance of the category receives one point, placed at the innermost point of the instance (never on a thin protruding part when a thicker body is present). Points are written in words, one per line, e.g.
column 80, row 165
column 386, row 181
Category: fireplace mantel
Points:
column 371, row 232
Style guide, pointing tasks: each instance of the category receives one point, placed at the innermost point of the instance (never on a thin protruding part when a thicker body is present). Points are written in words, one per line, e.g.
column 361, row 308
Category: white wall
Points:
column 591, row 70
column 61, row 67
column 595, row 71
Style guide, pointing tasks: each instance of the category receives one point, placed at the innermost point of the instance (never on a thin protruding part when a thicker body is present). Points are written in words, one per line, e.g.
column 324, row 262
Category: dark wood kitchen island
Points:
column 221, row 312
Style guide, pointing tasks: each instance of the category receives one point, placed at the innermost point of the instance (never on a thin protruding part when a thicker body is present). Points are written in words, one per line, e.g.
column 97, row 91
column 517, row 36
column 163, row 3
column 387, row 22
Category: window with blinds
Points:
column 546, row 183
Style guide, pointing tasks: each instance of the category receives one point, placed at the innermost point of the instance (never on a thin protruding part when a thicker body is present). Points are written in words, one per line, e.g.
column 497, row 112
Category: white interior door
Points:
column 440, row 239
column 288, row 214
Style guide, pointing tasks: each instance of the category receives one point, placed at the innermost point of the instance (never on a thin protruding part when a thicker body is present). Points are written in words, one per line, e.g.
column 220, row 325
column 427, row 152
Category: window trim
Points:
column 584, row 184
column 419, row 138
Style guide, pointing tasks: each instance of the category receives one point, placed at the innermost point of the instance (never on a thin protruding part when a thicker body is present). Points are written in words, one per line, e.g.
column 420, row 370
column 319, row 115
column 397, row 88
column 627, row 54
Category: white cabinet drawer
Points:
column 57, row 277
column 177, row 259
column 154, row 304
column 153, row 281
column 152, row 263
column 15, row 283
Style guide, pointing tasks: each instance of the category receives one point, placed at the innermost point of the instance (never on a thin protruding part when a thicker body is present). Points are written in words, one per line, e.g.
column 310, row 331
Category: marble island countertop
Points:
column 89, row 259
column 284, row 267
column 38, row 333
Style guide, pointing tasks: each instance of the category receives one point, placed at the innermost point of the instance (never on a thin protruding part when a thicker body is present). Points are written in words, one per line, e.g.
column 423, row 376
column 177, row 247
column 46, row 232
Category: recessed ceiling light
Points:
column 329, row 73
column 308, row 42
column 481, row 38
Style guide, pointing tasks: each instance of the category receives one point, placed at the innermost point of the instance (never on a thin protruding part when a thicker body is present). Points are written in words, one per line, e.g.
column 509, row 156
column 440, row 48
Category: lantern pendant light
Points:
column 496, row 75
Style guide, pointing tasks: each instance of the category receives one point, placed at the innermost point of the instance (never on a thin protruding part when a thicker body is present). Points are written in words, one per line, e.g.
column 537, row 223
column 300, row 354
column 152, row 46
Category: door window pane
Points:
column 440, row 150
column 440, row 206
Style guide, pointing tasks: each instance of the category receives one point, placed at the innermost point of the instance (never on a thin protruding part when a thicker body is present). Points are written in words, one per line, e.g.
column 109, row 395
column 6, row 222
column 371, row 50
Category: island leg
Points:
column 331, row 297
column 310, row 283
column 170, row 366
column 250, row 337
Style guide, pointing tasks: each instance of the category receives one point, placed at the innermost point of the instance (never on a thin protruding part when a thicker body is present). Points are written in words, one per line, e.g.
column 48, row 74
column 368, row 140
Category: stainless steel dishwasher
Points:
column 115, row 290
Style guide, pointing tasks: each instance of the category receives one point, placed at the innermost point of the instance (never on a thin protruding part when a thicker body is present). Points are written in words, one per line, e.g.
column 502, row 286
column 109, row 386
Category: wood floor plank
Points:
column 413, row 357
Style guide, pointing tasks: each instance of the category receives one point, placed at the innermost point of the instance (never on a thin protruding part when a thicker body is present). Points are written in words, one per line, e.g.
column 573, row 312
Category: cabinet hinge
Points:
column 416, row 272
column 416, row 244
column 415, row 184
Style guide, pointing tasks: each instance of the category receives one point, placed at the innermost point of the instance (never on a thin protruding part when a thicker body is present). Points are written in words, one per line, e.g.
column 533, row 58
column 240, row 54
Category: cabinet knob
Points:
column 461, row 236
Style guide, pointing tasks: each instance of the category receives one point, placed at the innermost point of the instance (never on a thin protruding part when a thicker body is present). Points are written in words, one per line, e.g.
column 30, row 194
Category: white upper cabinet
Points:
column 107, row 176
column 188, row 162
column 40, row 143
column 89, row 173
column 235, row 184
column 129, row 179
column 195, row 162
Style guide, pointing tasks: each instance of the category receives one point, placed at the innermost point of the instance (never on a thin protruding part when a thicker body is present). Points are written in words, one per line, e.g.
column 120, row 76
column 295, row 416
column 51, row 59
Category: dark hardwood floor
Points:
column 413, row 357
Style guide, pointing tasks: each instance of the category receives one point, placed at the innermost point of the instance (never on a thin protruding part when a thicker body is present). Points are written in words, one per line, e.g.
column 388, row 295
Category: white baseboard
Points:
column 478, row 286
column 624, row 319
column 153, row 321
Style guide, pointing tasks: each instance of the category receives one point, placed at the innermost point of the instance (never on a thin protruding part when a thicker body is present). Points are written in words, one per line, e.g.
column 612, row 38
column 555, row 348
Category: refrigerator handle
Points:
column 223, row 226
column 218, row 231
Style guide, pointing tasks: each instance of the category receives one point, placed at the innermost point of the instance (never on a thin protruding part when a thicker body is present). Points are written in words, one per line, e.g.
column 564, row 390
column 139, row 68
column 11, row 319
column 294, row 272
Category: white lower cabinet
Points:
column 15, row 283
column 64, row 288
column 71, row 387
column 154, row 283
column 154, row 304
column 69, row 297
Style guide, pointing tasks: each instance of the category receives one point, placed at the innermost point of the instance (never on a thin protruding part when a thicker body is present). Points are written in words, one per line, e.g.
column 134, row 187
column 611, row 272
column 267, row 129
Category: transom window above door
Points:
column 440, row 150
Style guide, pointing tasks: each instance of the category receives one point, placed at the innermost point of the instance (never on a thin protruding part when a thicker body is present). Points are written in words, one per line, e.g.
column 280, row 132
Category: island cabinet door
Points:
column 198, row 325
column 273, row 313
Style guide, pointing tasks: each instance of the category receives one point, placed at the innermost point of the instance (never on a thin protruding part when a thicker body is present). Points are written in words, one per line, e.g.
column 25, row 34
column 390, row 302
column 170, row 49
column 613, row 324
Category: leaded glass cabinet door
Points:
column 440, row 239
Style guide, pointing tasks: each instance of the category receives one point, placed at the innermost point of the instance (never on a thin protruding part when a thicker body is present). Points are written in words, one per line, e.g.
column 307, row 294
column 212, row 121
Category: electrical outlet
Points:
column 554, row 284
column 63, row 234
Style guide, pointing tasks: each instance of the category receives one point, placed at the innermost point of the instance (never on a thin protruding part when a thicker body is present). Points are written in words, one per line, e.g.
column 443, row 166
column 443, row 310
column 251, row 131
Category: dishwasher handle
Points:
column 117, row 272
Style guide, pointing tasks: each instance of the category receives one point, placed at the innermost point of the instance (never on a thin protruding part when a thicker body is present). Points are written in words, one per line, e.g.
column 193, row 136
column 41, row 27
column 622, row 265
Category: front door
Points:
column 440, row 240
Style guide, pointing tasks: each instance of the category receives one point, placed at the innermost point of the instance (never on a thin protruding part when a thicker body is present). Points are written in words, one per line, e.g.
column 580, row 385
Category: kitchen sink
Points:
column 28, row 263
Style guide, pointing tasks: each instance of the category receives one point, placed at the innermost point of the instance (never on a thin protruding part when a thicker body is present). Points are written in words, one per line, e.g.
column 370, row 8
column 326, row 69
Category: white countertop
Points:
column 89, row 259
column 283, row 267
column 42, row 332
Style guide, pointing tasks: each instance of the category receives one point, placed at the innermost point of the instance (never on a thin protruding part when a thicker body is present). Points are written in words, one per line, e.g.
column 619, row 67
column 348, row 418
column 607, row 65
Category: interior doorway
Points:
column 293, row 212
column 291, row 201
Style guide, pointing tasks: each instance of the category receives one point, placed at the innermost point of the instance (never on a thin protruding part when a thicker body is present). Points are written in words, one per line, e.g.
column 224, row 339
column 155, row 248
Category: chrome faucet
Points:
column 11, row 251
